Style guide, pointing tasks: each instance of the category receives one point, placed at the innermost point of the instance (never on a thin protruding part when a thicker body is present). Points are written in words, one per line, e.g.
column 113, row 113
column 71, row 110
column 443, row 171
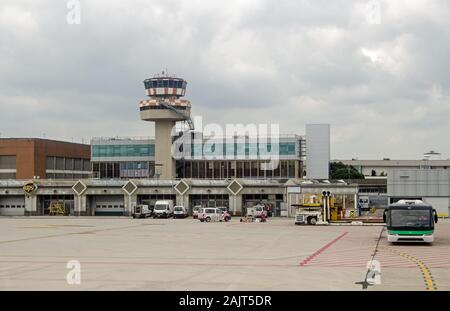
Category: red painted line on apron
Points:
column 320, row 251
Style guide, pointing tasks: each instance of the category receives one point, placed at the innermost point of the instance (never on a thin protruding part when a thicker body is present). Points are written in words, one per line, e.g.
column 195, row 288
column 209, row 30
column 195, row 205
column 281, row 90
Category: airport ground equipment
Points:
column 308, row 213
column 257, row 211
column 57, row 209
column 255, row 214
column 311, row 211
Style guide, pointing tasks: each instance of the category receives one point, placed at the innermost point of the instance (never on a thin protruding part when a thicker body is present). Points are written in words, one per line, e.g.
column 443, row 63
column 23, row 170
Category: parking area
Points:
column 183, row 254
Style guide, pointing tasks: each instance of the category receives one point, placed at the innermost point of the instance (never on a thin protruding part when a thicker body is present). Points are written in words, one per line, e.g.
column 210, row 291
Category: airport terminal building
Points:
column 33, row 158
column 111, row 175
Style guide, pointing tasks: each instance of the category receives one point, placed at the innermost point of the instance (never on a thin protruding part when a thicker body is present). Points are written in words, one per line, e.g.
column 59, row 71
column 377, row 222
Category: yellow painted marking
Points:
column 427, row 276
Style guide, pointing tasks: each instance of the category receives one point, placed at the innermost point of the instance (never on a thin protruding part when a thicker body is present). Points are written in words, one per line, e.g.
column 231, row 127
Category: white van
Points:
column 141, row 211
column 163, row 209
column 257, row 211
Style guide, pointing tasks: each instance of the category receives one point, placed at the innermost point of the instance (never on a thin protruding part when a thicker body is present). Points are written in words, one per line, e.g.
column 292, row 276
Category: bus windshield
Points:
column 410, row 218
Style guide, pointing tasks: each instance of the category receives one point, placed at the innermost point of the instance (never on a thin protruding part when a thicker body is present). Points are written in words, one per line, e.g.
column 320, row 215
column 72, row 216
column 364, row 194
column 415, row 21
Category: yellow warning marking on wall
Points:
column 426, row 273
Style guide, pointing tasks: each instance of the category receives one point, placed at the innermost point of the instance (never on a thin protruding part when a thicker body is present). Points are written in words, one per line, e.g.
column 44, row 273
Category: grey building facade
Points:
column 317, row 151
column 430, row 185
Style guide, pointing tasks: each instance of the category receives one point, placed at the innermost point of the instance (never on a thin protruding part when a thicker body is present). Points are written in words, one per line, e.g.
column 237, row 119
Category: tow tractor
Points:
column 308, row 213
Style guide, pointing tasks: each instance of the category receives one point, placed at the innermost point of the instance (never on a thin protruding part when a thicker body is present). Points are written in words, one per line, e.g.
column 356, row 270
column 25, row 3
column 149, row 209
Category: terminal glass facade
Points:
column 131, row 169
column 67, row 168
column 239, row 150
column 138, row 150
column 116, row 158
column 237, row 169
column 212, row 159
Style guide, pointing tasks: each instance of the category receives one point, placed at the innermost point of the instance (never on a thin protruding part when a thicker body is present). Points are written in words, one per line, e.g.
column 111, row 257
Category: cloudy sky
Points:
column 382, row 81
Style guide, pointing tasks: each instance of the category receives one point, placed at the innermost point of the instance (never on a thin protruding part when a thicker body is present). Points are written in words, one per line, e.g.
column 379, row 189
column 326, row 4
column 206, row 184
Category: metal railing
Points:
column 121, row 138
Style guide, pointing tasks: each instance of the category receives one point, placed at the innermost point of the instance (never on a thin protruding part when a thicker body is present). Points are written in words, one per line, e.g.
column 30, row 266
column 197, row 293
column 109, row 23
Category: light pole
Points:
column 326, row 208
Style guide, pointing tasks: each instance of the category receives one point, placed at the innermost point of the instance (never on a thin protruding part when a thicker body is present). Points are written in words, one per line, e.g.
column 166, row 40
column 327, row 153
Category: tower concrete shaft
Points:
column 165, row 164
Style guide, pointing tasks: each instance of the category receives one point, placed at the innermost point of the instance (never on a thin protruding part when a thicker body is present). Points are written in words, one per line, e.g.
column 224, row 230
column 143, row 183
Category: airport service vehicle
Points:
column 257, row 211
column 208, row 214
column 180, row 212
column 307, row 213
column 163, row 209
column 195, row 211
column 249, row 218
column 226, row 214
column 255, row 214
column 410, row 221
column 141, row 211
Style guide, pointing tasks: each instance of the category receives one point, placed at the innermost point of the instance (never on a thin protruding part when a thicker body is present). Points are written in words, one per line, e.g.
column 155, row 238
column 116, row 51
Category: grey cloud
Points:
column 384, row 88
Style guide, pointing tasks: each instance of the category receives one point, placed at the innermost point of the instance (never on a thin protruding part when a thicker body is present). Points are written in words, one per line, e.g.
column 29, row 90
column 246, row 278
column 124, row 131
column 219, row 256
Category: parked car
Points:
column 208, row 214
column 141, row 211
column 195, row 211
column 180, row 212
column 163, row 209
column 227, row 215
column 257, row 211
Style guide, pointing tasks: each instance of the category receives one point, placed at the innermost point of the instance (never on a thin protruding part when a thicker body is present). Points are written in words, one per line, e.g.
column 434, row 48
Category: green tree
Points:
column 339, row 170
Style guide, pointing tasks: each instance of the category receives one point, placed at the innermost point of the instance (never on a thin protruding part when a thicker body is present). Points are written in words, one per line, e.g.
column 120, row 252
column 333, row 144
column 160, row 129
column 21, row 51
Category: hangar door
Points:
column 109, row 205
column 12, row 205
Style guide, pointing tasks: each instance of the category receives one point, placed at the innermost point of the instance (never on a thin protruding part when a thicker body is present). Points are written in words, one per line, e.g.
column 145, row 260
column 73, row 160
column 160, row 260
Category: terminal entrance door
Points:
column 208, row 200
column 109, row 205
column 272, row 202
column 151, row 199
column 45, row 201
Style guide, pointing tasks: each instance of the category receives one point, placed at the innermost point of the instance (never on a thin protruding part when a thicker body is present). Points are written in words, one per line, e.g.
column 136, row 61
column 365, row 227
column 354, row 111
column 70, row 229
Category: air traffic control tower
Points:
column 165, row 107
